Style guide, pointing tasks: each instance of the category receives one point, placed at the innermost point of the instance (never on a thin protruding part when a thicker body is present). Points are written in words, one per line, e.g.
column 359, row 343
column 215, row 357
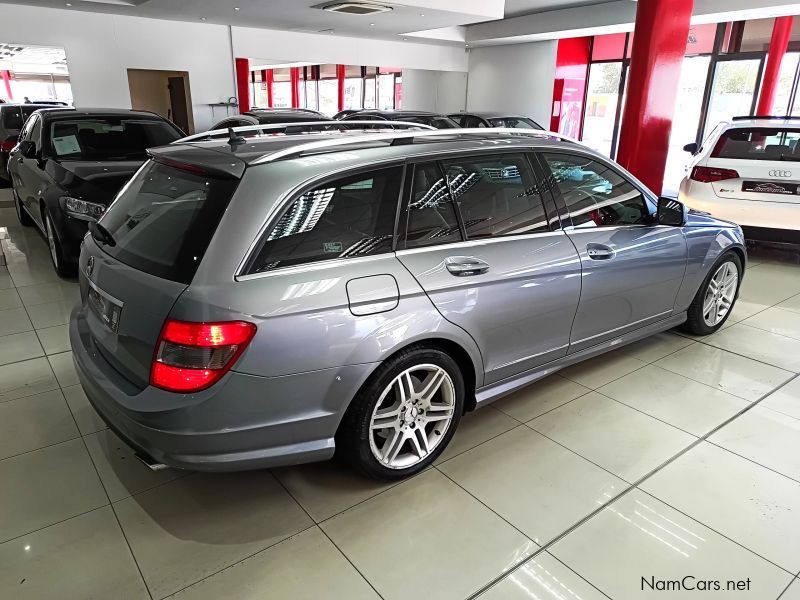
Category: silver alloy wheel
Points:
column 720, row 294
column 51, row 239
column 412, row 416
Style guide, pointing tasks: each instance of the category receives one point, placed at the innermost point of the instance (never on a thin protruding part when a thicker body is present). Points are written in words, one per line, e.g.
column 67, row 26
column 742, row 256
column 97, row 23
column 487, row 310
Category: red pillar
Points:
column 294, row 76
column 777, row 50
column 659, row 46
column 243, row 83
column 7, row 81
column 270, row 84
column 340, row 83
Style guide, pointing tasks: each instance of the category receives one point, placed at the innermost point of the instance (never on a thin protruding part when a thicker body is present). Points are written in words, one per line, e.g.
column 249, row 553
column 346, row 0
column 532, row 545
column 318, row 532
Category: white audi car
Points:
column 748, row 171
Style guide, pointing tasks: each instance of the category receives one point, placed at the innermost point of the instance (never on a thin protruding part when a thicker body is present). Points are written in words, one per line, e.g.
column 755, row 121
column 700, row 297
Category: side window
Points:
column 431, row 214
column 595, row 194
column 475, row 122
column 36, row 132
column 496, row 194
column 25, row 134
column 349, row 217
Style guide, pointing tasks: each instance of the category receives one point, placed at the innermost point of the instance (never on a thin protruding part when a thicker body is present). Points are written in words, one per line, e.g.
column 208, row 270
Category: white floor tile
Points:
column 26, row 378
column 616, row 437
column 597, row 372
column 476, row 428
column 35, row 422
column 781, row 321
column 305, row 567
column 85, row 557
column 639, row 539
column 85, row 415
column 51, row 314
column 767, row 437
column 777, row 350
column 540, row 397
column 657, row 346
column 675, row 399
column 543, row 577
column 792, row 303
column 14, row 320
column 450, row 543
column 18, row 347
column 793, row 593
column 542, row 488
column 54, row 339
column 46, row 486
column 737, row 375
column 9, row 299
column 44, row 293
column 196, row 526
column 741, row 500
column 64, row 368
column 785, row 399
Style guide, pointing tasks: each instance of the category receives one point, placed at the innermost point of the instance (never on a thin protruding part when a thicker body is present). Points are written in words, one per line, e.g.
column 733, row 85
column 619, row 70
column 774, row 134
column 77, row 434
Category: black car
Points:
column 70, row 163
column 346, row 113
column 494, row 119
column 410, row 116
column 271, row 116
column 12, row 118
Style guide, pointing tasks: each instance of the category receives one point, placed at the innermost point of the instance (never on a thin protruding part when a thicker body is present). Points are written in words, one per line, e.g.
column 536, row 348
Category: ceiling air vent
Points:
column 356, row 8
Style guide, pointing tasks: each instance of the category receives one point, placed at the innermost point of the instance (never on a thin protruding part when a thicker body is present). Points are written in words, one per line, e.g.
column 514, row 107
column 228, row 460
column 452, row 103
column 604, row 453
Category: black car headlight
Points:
column 81, row 209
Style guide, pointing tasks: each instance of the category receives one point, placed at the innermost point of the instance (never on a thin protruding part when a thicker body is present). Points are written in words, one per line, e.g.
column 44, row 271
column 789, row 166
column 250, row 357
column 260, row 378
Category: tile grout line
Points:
column 633, row 486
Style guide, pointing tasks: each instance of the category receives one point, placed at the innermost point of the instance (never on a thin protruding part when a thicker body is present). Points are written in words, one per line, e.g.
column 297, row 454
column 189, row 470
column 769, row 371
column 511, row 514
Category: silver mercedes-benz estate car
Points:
column 269, row 301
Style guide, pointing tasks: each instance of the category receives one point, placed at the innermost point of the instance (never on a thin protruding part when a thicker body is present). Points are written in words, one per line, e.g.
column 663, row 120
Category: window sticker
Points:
column 330, row 247
column 67, row 144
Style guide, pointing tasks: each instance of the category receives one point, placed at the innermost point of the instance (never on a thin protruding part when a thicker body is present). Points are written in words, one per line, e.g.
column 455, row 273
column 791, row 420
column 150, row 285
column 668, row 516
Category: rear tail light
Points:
column 7, row 145
column 191, row 357
column 712, row 174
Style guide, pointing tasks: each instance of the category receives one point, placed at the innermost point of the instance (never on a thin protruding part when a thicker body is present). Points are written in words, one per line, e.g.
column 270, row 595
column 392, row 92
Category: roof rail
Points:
column 282, row 127
column 408, row 137
column 766, row 118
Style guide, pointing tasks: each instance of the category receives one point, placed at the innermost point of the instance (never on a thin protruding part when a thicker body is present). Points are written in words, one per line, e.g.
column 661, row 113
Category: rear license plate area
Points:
column 107, row 309
column 769, row 187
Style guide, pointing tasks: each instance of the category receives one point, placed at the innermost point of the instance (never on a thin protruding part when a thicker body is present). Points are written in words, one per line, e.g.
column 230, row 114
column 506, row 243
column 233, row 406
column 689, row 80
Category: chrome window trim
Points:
column 480, row 242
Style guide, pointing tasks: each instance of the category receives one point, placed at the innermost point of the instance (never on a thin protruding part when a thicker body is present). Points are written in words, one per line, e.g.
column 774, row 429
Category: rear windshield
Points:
column 14, row 116
column 762, row 143
column 515, row 123
column 109, row 138
column 163, row 220
column 437, row 122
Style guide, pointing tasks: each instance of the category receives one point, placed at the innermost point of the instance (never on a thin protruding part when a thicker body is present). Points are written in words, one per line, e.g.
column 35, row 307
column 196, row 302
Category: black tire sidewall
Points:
column 354, row 437
column 696, row 323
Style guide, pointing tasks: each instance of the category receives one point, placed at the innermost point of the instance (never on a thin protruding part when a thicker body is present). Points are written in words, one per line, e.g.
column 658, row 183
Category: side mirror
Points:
column 27, row 149
column 691, row 148
column 670, row 212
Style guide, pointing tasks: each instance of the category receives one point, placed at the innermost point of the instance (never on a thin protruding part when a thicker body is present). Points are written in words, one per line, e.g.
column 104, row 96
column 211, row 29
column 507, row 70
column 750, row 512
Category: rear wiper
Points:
column 101, row 234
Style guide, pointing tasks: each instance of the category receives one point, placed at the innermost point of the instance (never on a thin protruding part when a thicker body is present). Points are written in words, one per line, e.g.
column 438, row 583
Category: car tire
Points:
column 22, row 215
column 404, row 415
column 714, row 301
column 62, row 267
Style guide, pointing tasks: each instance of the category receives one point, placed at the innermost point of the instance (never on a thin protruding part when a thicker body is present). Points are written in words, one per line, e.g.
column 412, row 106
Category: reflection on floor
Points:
column 671, row 458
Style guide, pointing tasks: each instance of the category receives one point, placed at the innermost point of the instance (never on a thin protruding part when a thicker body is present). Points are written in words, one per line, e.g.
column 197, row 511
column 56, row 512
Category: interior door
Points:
column 177, row 100
column 493, row 267
column 632, row 268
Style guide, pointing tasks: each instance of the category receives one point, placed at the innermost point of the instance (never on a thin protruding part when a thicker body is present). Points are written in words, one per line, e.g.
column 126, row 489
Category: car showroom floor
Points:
column 667, row 459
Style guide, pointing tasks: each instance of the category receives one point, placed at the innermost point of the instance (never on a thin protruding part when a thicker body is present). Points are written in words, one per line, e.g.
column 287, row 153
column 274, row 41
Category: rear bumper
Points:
column 243, row 422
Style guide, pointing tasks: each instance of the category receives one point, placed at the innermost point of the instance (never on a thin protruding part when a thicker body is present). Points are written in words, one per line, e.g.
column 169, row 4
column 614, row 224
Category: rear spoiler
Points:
column 201, row 161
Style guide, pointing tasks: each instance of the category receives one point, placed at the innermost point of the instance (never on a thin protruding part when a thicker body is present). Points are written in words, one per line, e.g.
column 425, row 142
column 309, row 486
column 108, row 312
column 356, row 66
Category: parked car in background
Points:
column 271, row 116
column 12, row 118
column 70, row 163
column 346, row 113
column 408, row 116
column 247, row 306
column 494, row 119
column 748, row 171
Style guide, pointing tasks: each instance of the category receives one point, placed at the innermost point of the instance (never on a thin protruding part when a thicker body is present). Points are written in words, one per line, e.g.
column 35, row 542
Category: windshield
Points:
column 438, row 122
column 14, row 117
column 163, row 220
column 759, row 143
column 515, row 123
column 109, row 138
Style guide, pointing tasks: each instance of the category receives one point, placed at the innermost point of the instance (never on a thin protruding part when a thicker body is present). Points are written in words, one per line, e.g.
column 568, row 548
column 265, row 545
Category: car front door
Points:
column 28, row 173
column 481, row 244
column 632, row 268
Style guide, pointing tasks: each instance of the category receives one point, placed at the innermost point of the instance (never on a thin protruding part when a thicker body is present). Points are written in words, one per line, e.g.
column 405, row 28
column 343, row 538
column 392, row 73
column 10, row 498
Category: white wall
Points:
column 437, row 91
column 516, row 78
column 293, row 46
column 101, row 47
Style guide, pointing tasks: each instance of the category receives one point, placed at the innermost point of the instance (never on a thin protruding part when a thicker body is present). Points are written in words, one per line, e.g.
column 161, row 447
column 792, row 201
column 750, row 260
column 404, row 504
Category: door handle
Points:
column 19, row 160
column 465, row 266
column 600, row 252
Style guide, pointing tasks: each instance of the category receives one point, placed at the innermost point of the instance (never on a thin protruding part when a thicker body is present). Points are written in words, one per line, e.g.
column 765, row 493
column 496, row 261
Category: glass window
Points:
column 515, row 123
column 329, row 96
column 15, row 116
column 346, row 218
column 386, row 92
column 281, row 94
column 164, row 219
column 431, row 215
column 369, row 92
column 109, row 138
column 759, row 144
column 602, row 100
column 733, row 89
column 497, row 195
column 785, row 81
column 595, row 194
column 353, row 90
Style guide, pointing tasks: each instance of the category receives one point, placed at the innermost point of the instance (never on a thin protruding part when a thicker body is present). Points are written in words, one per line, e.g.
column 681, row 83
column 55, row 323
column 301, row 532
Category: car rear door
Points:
column 482, row 245
column 757, row 163
column 632, row 268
